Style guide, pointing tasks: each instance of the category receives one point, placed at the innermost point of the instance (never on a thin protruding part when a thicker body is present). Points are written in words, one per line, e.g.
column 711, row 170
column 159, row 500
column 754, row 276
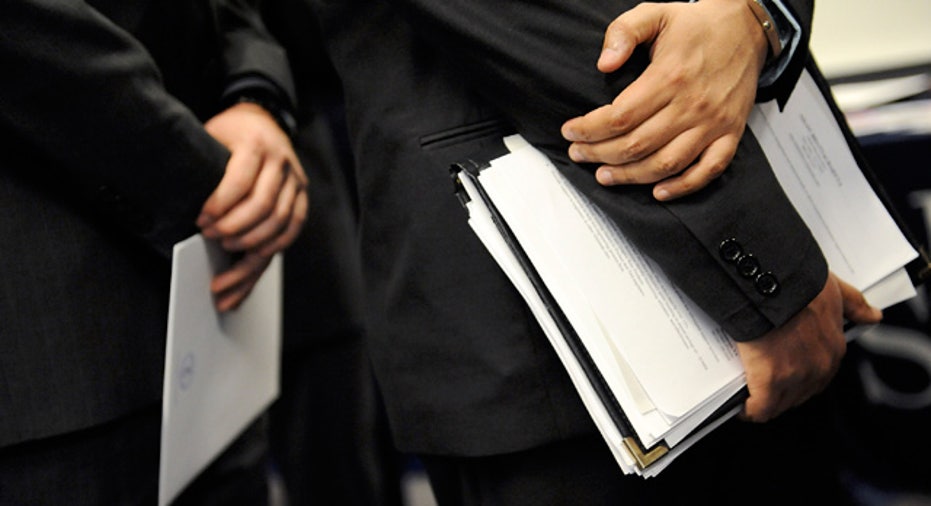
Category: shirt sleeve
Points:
column 790, row 36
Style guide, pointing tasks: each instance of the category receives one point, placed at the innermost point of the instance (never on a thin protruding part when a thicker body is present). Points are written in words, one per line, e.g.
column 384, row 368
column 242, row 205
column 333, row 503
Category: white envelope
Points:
column 221, row 370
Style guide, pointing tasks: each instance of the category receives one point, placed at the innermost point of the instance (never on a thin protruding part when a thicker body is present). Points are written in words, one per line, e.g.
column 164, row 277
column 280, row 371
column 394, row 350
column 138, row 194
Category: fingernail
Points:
column 574, row 154
column 661, row 194
column 569, row 134
column 604, row 177
column 577, row 154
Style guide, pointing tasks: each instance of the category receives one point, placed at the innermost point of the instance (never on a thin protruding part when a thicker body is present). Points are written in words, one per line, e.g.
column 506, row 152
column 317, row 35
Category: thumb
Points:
column 632, row 28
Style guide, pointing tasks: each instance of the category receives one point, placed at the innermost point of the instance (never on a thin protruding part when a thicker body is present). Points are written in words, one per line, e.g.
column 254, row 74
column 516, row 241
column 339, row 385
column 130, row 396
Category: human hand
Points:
column 790, row 364
column 231, row 287
column 685, row 114
column 260, row 204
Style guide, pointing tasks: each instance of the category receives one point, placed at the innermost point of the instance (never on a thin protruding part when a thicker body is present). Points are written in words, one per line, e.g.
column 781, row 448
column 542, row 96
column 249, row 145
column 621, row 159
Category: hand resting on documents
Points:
column 532, row 225
column 572, row 264
column 790, row 364
column 660, row 129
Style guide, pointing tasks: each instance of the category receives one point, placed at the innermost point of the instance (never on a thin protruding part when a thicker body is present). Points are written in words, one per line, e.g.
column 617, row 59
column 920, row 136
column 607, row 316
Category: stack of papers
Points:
column 815, row 166
column 654, row 371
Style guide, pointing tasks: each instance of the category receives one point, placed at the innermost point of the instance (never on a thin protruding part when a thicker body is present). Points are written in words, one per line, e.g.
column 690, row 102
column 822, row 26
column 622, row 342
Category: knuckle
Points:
column 703, row 105
column 715, row 169
column 256, row 140
column 622, row 176
column 283, row 215
column 619, row 120
column 686, row 187
column 240, row 178
column 665, row 166
column 634, row 149
column 726, row 121
column 619, row 27
column 266, row 207
column 677, row 77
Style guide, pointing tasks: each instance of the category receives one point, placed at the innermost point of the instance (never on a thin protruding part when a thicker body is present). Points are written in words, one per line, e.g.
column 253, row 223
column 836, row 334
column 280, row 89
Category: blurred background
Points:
column 877, row 56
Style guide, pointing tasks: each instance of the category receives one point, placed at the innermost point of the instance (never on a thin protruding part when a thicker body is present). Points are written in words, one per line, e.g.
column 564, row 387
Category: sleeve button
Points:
column 767, row 284
column 730, row 250
column 748, row 266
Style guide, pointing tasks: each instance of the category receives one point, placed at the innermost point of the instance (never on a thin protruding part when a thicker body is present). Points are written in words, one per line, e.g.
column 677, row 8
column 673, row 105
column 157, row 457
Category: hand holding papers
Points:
column 221, row 370
column 594, row 293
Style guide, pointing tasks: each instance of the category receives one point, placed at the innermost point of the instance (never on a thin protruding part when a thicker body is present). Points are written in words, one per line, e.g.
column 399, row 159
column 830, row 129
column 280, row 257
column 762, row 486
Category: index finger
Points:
column 642, row 99
column 241, row 172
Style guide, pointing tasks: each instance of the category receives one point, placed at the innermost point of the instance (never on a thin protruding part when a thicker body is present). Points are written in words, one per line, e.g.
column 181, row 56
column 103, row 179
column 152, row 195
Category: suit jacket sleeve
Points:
column 249, row 48
column 535, row 60
column 88, row 98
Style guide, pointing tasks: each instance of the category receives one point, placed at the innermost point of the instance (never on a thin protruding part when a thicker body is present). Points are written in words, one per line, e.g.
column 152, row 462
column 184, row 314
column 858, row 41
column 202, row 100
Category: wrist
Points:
column 743, row 25
column 767, row 24
column 793, row 39
column 262, row 92
column 280, row 114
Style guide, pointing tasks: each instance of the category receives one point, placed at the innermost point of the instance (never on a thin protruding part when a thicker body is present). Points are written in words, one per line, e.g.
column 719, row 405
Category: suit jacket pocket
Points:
column 490, row 129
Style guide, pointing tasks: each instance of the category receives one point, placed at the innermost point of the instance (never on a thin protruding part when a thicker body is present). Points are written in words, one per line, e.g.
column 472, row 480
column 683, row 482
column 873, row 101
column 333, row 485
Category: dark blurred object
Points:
column 885, row 383
column 329, row 434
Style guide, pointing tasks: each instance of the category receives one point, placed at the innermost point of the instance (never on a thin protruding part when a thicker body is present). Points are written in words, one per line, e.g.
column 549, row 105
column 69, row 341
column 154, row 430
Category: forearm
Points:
column 248, row 49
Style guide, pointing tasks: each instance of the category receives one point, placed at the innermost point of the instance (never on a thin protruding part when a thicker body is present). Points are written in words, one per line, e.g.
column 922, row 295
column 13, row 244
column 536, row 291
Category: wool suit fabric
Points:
column 106, row 166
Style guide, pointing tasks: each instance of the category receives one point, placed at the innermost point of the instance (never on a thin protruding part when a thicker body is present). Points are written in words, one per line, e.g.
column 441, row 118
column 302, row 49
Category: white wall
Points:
column 857, row 36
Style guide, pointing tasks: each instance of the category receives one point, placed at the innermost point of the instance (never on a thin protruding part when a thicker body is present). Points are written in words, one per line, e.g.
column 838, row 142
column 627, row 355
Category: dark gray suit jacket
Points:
column 106, row 165
column 463, row 366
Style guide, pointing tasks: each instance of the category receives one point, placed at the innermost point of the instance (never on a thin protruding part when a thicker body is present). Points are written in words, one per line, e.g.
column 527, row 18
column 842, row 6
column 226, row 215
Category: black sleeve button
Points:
column 767, row 284
column 748, row 266
column 730, row 250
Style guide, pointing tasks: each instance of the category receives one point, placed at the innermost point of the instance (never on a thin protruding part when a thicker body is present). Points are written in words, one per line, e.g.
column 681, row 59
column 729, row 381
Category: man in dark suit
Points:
column 469, row 381
column 107, row 164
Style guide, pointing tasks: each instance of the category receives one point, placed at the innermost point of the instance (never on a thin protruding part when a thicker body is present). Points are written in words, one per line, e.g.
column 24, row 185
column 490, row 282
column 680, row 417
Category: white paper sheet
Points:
column 481, row 222
column 567, row 233
column 815, row 167
column 221, row 370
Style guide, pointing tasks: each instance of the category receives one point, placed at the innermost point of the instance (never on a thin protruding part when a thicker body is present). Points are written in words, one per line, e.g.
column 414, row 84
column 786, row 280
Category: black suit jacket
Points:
column 105, row 167
column 463, row 366
column 323, row 284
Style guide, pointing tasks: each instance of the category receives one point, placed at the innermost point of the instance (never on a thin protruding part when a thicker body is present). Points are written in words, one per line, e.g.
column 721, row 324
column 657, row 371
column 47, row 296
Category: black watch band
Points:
column 259, row 90
column 282, row 115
